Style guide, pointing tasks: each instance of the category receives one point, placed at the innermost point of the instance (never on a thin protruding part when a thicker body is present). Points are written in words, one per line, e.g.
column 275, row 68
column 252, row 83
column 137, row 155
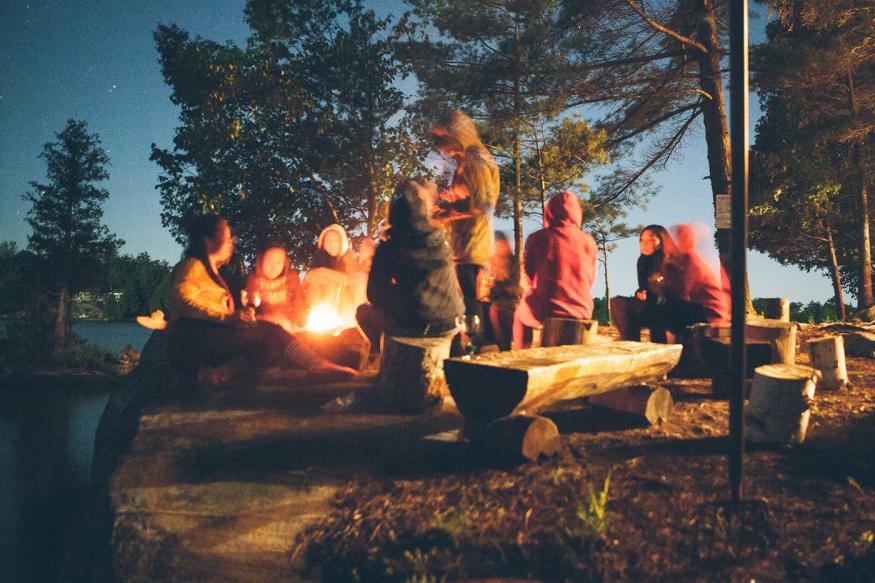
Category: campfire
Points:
column 325, row 319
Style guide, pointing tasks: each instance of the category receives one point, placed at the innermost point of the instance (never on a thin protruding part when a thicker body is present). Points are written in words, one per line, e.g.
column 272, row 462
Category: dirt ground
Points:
column 809, row 510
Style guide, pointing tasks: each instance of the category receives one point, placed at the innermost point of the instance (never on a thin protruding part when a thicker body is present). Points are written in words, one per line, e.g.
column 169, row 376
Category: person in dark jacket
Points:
column 412, row 288
column 560, row 261
column 627, row 313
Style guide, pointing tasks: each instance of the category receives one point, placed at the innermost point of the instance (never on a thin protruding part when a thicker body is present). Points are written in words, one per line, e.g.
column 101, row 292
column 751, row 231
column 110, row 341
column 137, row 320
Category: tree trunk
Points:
column 607, row 286
column 62, row 320
column 716, row 126
column 835, row 275
column 864, row 293
column 517, row 164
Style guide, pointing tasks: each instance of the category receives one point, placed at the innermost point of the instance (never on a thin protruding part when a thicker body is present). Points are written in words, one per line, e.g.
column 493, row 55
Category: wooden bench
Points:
column 490, row 386
column 499, row 393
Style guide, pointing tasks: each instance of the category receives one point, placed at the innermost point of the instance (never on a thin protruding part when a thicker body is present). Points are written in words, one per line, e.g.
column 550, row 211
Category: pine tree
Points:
column 66, row 217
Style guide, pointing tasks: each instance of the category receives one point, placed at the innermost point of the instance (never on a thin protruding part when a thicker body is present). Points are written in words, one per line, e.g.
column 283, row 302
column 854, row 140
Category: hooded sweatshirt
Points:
column 561, row 261
column 413, row 281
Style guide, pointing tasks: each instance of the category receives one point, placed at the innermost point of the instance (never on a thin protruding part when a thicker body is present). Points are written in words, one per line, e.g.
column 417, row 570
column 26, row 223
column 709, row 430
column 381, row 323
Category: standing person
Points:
column 467, row 207
column 207, row 329
column 560, row 260
column 412, row 285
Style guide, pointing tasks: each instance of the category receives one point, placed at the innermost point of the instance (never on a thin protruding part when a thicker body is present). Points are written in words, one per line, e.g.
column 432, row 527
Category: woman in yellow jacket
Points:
column 207, row 329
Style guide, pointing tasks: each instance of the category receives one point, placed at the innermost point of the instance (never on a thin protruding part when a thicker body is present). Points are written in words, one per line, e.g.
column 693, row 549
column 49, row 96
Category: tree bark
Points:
column 864, row 293
column 835, row 275
column 62, row 320
column 714, row 119
column 517, row 163
column 607, row 286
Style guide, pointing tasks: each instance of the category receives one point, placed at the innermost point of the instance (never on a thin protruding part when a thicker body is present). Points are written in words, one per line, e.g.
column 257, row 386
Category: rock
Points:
column 201, row 489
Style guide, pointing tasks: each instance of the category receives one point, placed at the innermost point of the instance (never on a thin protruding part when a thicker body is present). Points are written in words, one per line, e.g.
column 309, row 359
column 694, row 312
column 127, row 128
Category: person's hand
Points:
column 641, row 294
column 246, row 315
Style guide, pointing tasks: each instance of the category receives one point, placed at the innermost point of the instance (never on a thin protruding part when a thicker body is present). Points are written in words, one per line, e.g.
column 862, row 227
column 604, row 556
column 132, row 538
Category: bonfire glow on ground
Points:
column 324, row 318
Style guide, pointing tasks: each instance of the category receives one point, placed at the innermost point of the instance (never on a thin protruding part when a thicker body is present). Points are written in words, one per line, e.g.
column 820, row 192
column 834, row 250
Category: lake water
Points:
column 46, row 444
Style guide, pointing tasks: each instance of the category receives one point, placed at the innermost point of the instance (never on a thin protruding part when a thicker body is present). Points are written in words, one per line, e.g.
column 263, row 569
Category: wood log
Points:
column 859, row 344
column 523, row 436
column 779, row 405
column 411, row 376
column 562, row 331
column 489, row 386
column 828, row 356
column 650, row 404
column 350, row 347
column 776, row 308
column 781, row 336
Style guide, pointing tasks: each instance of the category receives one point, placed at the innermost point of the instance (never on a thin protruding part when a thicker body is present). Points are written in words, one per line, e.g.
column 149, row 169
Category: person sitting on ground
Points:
column 207, row 329
column 334, row 276
column 274, row 290
column 467, row 208
column 334, row 251
column 412, row 286
column 560, row 261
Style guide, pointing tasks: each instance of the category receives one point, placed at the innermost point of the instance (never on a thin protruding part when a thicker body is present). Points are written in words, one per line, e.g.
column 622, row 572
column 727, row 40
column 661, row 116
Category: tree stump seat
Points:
column 706, row 349
column 558, row 331
column 411, row 377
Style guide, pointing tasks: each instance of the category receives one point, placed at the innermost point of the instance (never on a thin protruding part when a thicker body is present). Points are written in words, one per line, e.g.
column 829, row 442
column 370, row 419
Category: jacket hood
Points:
column 563, row 210
column 344, row 246
column 458, row 127
column 407, row 211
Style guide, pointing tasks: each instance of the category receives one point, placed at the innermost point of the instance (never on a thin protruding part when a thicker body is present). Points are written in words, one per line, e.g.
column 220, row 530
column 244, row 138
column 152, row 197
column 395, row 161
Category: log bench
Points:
column 487, row 387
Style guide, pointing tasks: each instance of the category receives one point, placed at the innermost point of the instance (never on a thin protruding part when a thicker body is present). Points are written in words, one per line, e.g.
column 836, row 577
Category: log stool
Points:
column 776, row 309
column 411, row 376
column 518, row 436
column 563, row 331
column 779, row 405
column 828, row 356
column 767, row 342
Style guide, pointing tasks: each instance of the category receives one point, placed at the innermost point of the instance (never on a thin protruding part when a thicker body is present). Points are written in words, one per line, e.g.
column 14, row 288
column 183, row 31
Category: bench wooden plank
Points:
column 490, row 386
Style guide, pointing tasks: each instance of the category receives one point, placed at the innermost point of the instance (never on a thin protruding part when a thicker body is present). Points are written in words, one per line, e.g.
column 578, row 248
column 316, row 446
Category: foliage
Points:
column 502, row 62
column 65, row 217
column 816, row 80
column 26, row 347
column 301, row 128
column 144, row 282
column 591, row 516
column 813, row 312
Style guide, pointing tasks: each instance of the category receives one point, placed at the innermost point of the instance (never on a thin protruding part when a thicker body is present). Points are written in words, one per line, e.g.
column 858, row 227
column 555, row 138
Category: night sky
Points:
column 96, row 61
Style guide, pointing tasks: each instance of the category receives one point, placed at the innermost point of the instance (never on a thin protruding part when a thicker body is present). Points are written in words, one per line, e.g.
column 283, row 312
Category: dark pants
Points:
column 475, row 310
column 631, row 314
column 193, row 343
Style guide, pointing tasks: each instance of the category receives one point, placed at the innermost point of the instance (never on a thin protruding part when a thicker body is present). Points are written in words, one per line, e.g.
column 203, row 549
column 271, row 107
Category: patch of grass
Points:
column 592, row 515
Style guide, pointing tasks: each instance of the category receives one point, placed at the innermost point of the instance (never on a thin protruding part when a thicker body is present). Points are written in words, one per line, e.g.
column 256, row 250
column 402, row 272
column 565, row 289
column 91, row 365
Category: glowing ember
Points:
column 324, row 318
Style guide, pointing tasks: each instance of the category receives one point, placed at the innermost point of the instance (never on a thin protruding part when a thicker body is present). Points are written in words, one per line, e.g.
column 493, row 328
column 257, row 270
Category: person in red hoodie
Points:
column 560, row 262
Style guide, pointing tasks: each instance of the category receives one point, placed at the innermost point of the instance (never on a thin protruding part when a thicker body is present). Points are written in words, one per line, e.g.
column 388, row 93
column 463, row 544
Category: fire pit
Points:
column 336, row 338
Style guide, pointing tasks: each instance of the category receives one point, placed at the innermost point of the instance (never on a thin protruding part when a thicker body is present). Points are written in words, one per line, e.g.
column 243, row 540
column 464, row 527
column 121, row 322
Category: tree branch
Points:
column 665, row 30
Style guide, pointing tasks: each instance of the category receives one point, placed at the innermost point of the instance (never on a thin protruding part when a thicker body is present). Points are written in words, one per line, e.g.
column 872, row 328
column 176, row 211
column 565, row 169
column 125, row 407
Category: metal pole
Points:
column 738, row 107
